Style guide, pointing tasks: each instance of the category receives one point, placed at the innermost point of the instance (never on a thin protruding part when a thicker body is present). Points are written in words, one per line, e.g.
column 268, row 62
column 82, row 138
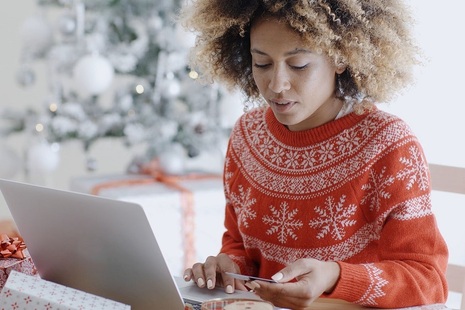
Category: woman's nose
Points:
column 280, row 80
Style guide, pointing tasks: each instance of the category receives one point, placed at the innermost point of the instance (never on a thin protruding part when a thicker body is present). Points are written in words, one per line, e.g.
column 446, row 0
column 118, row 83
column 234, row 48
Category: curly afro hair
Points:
column 372, row 38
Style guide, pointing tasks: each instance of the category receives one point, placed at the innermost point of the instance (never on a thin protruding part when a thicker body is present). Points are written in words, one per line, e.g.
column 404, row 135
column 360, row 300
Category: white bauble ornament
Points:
column 172, row 160
column 93, row 74
column 171, row 88
column 67, row 24
column 155, row 23
column 10, row 162
column 36, row 35
column 43, row 157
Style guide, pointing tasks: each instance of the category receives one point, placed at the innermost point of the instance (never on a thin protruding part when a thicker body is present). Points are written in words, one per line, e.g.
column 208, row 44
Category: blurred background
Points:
column 97, row 86
column 97, row 89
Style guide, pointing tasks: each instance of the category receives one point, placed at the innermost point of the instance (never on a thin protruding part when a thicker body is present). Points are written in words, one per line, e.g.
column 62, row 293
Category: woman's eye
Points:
column 299, row 67
column 266, row 65
column 261, row 66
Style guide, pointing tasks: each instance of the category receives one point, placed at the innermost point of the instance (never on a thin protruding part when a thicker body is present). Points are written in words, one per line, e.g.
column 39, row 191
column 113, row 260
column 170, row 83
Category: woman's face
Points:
column 298, row 83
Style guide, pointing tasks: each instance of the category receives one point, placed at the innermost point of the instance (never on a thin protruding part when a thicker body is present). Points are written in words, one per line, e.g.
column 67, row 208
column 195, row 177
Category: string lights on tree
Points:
column 116, row 68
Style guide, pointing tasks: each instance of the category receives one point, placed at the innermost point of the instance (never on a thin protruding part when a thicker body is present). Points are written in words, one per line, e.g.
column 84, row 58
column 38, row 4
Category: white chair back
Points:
column 451, row 179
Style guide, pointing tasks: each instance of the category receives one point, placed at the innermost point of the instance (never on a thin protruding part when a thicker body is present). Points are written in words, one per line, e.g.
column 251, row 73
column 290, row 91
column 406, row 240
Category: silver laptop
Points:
column 98, row 245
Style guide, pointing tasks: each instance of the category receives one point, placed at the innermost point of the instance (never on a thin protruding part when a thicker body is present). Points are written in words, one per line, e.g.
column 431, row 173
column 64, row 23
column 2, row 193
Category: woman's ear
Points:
column 340, row 68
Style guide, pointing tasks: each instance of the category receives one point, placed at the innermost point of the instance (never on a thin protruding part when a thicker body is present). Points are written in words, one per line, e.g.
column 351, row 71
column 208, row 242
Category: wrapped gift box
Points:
column 8, row 265
column 163, row 206
column 22, row 291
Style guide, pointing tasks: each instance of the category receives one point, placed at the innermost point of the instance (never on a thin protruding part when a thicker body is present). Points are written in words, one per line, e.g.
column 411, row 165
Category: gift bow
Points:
column 11, row 247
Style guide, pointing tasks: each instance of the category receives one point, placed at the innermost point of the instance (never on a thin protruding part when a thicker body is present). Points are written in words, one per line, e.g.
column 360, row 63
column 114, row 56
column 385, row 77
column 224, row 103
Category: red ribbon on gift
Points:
column 187, row 200
column 11, row 247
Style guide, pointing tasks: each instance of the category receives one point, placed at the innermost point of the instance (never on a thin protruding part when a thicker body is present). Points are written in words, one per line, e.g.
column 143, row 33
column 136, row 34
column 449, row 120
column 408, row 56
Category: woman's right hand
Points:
column 212, row 273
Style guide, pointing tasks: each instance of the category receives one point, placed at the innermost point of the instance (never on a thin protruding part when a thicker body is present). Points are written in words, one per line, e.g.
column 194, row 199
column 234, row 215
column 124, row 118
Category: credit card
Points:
column 248, row 278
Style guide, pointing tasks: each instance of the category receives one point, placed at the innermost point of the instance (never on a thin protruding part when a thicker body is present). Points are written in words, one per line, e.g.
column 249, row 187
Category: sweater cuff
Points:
column 350, row 285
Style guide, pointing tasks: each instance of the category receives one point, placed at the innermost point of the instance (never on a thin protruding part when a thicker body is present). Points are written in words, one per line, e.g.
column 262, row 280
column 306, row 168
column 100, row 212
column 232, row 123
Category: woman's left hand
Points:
column 313, row 278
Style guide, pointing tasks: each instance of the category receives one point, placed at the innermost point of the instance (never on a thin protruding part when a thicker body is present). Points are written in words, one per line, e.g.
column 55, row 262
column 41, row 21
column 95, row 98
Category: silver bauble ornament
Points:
column 43, row 157
column 37, row 35
column 67, row 24
column 25, row 77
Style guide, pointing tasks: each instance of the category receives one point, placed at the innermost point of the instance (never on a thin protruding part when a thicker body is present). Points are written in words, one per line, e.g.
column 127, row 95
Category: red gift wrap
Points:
column 14, row 256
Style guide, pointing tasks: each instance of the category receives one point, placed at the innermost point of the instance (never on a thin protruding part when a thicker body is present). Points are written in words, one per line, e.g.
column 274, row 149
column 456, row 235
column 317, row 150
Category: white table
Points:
column 322, row 303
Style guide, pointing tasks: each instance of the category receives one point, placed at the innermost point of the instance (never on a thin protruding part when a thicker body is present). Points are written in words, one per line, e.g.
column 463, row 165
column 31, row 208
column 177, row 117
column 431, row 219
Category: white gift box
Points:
column 162, row 205
column 23, row 291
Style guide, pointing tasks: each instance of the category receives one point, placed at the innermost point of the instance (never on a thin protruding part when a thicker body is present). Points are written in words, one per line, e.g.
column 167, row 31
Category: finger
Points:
column 298, row 268
column 252, row 285
column 240, row 285
column 296, row 295
column 187, row 274
column 198, row 274
column 210, row 267
column 226, row 264
column 277, row 289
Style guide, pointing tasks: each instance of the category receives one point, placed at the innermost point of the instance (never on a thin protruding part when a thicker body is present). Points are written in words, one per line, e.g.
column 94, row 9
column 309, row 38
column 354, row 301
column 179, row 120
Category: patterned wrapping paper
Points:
column 236, row 304
column 7, row 265
column 23, row 291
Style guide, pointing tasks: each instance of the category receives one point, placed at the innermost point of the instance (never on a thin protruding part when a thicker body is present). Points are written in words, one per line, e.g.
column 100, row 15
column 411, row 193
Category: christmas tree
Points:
column 117, row 68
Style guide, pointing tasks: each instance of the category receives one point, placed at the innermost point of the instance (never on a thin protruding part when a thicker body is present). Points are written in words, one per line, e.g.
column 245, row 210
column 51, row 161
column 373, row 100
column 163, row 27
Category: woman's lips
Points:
column 282, row 105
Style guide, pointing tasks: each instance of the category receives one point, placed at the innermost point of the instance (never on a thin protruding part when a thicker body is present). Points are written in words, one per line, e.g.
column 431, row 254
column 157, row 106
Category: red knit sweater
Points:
column 355, row 190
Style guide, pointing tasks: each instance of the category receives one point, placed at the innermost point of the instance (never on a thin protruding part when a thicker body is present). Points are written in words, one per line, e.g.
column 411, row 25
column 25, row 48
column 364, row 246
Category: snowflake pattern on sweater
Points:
column 338, row 192
column 282, row 222
column 333, row 218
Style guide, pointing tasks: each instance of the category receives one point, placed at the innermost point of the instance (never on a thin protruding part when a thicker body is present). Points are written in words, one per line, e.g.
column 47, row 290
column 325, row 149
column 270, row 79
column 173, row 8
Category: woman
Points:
column 325, row 193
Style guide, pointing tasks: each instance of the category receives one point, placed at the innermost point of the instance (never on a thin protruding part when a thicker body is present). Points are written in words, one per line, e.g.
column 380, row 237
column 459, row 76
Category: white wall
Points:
column 435, row 106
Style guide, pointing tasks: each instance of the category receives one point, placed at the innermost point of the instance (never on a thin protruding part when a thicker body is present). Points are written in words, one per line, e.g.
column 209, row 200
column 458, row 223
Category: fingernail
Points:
column 252, row 285
column 200, row 282
column 229, row 289
column 277, row 276
column 210, row 283
column 247, row 284
column 186, row 277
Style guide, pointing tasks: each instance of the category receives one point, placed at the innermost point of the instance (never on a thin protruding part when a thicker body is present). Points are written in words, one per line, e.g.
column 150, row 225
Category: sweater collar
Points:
column 313, row 135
